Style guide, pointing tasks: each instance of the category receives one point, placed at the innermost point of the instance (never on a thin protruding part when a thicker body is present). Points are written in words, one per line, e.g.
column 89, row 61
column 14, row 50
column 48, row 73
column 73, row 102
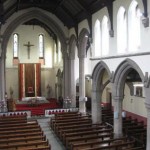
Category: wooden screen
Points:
column 29, row 80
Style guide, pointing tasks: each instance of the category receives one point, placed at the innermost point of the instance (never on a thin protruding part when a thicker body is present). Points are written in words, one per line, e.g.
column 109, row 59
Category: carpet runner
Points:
column 39, row 109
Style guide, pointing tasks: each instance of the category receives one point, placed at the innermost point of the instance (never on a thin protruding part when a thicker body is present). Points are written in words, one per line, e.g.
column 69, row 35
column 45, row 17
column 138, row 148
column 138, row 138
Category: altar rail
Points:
column 28, row 113
column 52, row 112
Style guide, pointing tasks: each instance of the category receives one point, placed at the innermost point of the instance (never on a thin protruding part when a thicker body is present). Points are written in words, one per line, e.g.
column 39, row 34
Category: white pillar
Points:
column 148, row 126
column 65, row 77
column 82, row 103
column 72, row 84
column 117, row 117
column 96, row 107
column 2, row 86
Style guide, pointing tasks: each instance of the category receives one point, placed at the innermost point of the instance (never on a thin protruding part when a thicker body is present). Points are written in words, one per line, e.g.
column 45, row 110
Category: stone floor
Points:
column 52, row 138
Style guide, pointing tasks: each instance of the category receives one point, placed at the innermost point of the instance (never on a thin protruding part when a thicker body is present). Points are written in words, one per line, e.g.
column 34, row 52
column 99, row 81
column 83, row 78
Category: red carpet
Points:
column 40, row 109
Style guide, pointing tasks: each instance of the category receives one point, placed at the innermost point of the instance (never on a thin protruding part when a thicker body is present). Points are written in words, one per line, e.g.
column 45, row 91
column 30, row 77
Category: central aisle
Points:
column 53, row 140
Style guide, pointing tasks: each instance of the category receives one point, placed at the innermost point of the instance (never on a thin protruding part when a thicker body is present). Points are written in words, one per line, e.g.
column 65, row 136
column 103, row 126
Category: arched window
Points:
column 41, row 46
column 134, row 27
column 97, row 37
column 105, row 36
column 15, row 45
column 121, row 31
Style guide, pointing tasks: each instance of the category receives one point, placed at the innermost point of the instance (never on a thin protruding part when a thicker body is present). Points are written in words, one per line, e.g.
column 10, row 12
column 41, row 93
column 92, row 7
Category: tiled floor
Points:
column 53, row 140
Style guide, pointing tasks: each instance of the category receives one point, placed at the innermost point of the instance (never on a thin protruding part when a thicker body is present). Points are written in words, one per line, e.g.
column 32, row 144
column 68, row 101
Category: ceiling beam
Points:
column 73, row 18
column 58, row 5
column 10, row 11
column 88, row 15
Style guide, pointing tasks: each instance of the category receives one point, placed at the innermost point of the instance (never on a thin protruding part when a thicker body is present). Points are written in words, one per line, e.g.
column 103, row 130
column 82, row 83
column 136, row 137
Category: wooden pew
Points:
column 71, row 124
column 9, row 119
column 85, row 133
column 97, row 127
column 29, row 126
column 71, row 140
column 118, row 146
column 68, row 119
column 3, row 123
column 22, row 139
column 90, row 144
column 29, row 134
column 20, row 146
column 18, row 124
column 20, row 131
column 18, row 134
column 43, row 147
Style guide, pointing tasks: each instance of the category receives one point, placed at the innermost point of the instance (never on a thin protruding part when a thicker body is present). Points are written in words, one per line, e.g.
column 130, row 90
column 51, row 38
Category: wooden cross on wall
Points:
column 28, row 45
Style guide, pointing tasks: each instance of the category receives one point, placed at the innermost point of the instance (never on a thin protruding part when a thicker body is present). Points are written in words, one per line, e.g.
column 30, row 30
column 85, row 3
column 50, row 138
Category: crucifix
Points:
column 28, row 48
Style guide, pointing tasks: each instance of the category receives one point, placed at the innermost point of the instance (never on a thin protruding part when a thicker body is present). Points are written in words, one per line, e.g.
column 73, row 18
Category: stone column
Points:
column 118, row 116
column 72, row 85
column 82, row 103
column 96, row 107
column 65, row 77
column 148, row 126
column 3, row 100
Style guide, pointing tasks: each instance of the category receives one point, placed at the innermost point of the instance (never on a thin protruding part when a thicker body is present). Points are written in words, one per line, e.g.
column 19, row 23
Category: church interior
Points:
column 74, row 75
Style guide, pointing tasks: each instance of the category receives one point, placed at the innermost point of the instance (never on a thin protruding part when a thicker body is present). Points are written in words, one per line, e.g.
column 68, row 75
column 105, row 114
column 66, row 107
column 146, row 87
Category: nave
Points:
column 69, row 131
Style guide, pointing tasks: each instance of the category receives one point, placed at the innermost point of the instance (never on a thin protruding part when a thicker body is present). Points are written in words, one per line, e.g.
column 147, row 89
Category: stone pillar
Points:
column 118, row 116
column 65, row 77
column 3, row 100
column 148, row 126
column 72, row 84
column 96, row 107
column 82, row 102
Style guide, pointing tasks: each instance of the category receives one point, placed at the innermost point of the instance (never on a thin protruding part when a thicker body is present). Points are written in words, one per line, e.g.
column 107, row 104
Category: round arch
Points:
column 121, row 73
column 34, row 13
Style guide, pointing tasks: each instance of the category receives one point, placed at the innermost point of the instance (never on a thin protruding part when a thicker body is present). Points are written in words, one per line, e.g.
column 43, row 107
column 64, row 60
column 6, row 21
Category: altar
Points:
column 37, row 98
column 34, row 101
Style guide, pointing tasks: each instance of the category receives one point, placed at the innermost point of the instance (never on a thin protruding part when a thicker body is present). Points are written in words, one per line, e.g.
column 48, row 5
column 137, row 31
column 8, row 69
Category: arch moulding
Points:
column 121, row 73
column 38, row 14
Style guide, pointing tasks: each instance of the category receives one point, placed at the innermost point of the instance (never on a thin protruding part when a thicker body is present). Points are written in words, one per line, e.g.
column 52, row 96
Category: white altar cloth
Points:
column 36, row 98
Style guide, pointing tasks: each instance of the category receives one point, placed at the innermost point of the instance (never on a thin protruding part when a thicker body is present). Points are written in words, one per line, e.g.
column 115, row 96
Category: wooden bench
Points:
column 85, row 133
column 71, row 140
column 70, row 119
column 12, row 136
column 71, row 125
column 17, row 125
column 19, row 131
column 22, row 139
column 90, row 144
column 43, row 147
column 117, row 146
column 8, row 119
column 20, row 146
column 19, row 134
column 93, row 128
column 29, row 126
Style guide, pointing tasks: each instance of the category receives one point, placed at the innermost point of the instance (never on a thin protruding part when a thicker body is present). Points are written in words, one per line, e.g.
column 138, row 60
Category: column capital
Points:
column 81, row 56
